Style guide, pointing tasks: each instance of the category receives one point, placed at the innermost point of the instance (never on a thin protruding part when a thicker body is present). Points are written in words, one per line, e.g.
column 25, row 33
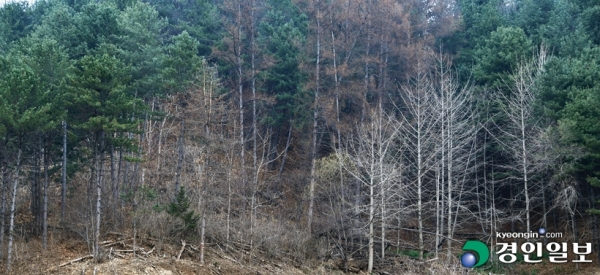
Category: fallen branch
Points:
column 111, row 243
column 148, row 253
column 124, row 250
column 106, row 242
column 182, row 248
column 119, row 255
column 231, row 259
column 77, row 260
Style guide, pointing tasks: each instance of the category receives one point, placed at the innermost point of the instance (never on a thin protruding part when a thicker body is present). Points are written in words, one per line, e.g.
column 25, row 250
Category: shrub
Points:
column 179, row 209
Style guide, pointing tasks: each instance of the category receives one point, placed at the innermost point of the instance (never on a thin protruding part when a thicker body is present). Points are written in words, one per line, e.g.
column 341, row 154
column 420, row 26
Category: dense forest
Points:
column 305, row 130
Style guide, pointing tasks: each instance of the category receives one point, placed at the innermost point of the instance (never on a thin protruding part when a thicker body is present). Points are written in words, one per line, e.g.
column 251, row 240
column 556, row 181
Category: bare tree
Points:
column 521, row 126
column 457, row 146
column 317, row 86
column 419, row 130
column 374, row 165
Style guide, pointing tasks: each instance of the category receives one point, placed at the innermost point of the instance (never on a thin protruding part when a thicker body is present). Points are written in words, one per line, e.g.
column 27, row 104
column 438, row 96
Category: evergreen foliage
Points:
column 180, row 209
column 105, row 68
column 283, row 34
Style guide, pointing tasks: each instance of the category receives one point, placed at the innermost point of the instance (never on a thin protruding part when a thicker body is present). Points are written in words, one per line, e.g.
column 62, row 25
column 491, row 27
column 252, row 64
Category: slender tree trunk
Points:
column 371, row 219
column 443, row 141
column 512, row 221
column 99, row 166
column 254, row 125
column 202, row 230
column 241, row 94
column 180, row 155
column 45, row 206
column 337, row 110
column 254, row 119
column 114, row 183
column 449, row 137
column 367, row 53
column 159, row 155
column 12, row 212
column 437, row 211
column 594, row 225
column 315, row 124
column 35, row 188
column 63, row 195
column 382, row 88
column 574, row 228
column 420, row 183
column 117, row 189
column 229, row 190
column 383, row 216
column 337, row 87
column 227, row 230
column 524, row 163
column 139, row 152
column 287, row 146
column 5, row 182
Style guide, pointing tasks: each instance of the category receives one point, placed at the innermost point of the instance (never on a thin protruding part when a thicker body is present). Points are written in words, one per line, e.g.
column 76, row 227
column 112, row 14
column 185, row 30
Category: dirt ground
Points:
column 162, row 266
column 71, row 257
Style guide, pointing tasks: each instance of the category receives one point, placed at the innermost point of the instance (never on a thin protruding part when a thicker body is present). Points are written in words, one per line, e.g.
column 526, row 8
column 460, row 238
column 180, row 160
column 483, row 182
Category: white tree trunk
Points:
column 63, row 191
column 12, row 212
column 45, row 206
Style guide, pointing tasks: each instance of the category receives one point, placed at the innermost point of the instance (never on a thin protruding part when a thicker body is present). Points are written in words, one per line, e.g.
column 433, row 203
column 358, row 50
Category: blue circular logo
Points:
column 468, row 260
column 542, row 231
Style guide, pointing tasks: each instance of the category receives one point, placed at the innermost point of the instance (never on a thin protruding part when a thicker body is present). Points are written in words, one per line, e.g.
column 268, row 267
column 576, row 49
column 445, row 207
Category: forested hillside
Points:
column 362, row 133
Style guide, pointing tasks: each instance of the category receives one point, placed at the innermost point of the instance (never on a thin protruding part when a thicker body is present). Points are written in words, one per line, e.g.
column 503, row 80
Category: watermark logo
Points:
column 469, row 259
column 541, row 233
column 531, row 250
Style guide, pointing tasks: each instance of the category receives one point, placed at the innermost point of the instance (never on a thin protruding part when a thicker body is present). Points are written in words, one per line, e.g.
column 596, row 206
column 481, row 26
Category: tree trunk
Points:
column 202, row 230
column 139, row 152
column 371, row 223
column 594, row 225
column 36, row 210
column 437, row 211
column 99, row 165
column 114, row 183
column 313, row 158
column 449, row 137
column 5, row 182
column 180, row 156
column 63, row 195
column 285, row 151
column 241, row 93
column 337, row 86
column 254, row 125
column 159, row 156
column 420, row 186
column 524, row 163
column 12, row 212
column 45, row 206
column 366, row 78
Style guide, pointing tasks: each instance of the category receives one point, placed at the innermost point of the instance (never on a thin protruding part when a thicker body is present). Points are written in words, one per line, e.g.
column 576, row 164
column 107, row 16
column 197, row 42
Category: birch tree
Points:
column 317, row 86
